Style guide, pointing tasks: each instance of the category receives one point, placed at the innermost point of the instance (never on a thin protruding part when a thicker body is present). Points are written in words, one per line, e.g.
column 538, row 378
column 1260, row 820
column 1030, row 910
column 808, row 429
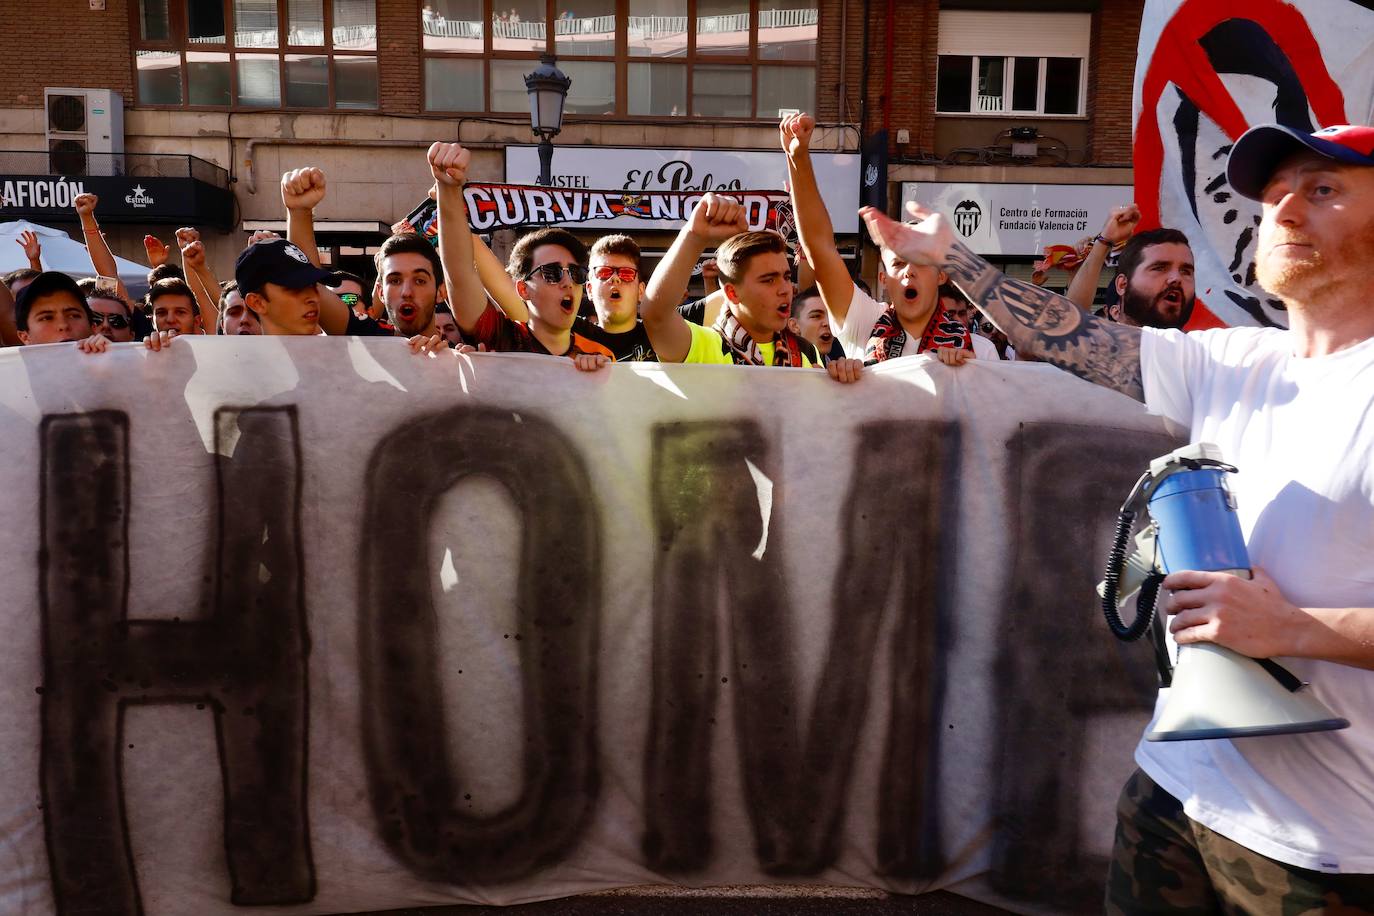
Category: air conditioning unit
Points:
column 85, row 131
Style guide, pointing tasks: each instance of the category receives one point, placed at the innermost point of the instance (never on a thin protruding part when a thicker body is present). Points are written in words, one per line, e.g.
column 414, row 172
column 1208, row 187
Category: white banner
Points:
column 1205, row 73
column 316, row 626
column 1018, row 219
column 636, row 169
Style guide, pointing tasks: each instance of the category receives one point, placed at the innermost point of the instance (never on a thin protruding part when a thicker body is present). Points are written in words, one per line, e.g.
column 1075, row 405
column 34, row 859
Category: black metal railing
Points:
column 74, row 162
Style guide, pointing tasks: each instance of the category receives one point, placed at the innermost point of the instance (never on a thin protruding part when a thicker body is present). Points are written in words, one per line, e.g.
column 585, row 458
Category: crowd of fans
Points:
column 768, row 305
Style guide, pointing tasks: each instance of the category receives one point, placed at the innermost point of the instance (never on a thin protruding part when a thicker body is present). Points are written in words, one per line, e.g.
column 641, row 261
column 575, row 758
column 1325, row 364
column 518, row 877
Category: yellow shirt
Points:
column 709, row 347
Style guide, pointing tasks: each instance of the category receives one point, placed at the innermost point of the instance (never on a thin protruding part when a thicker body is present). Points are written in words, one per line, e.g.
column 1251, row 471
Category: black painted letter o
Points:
column 414, row 794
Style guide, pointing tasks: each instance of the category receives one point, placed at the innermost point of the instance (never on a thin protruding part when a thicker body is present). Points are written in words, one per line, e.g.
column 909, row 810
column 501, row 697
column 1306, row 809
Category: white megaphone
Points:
column 1212, row 692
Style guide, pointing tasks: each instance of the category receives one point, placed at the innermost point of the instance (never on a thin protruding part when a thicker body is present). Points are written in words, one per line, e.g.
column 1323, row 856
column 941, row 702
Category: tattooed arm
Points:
column 1036, row 321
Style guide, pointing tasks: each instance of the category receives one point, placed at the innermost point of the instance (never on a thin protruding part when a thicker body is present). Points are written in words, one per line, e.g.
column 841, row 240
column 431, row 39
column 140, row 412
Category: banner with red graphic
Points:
column 509, row 206
column 1207, row 70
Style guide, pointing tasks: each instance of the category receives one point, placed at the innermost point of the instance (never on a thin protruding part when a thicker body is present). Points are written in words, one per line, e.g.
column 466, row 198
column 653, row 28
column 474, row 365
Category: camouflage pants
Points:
column 1164, row 862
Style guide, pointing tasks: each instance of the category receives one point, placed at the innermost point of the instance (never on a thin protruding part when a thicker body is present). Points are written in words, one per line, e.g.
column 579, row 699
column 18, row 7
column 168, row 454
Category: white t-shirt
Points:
column 1301, row 431
column 864, row 311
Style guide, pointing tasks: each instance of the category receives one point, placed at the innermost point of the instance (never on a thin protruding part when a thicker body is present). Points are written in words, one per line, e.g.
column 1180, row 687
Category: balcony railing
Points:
column 345, row 36
column 645, row 27
column 79, row 164
column 587, row 25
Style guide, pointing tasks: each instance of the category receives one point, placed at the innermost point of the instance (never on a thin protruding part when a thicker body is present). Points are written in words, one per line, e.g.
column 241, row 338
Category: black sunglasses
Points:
column 552, row 273
column 116, row 322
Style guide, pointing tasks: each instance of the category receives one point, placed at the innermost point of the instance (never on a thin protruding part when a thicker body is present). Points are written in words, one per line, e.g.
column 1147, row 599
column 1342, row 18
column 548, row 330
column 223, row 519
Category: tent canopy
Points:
column 62, row 252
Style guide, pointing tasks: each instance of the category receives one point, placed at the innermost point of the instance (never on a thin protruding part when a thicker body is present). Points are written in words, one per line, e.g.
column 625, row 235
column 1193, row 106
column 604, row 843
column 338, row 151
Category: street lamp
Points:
column 548, row 87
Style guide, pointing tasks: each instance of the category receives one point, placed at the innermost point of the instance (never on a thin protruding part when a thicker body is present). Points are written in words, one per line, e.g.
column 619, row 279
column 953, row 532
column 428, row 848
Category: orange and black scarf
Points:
column 888, row 338
column 788, row 348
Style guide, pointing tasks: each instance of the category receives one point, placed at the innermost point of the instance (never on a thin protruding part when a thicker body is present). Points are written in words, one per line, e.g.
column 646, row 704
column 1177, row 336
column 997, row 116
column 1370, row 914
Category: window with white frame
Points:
column 1009, row 63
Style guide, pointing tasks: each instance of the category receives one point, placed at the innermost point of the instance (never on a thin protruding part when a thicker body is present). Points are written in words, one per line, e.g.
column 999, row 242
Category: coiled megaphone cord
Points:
column 1149, row 589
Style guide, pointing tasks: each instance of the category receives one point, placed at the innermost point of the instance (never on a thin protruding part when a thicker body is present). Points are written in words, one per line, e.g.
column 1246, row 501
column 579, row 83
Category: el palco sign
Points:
column 736, row 172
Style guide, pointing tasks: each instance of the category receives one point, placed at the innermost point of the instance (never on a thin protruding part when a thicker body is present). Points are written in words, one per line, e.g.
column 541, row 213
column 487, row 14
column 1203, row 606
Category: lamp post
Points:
column 548, row 87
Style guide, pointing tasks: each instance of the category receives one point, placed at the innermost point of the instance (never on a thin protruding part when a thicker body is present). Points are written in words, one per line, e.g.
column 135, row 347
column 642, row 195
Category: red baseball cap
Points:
column 1260, row 149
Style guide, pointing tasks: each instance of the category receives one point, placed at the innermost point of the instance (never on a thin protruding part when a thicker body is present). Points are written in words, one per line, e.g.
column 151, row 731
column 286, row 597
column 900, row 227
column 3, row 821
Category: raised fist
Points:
column 795, row 132
column 1121, row 223
column 302, row 189
column 193, row 256
column 262, row 235
column 716, row 217
column 449, row 163
column 85, row 204
column 186, row 236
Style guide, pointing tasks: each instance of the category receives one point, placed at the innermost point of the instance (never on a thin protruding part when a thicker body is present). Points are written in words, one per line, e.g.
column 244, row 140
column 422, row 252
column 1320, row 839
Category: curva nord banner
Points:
column 316, row 626
column 1207, row 70
column 500, row 206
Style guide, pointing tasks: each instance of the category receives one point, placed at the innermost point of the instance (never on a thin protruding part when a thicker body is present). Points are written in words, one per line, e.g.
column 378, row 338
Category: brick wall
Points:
column 918, row 28
column 399, row 64
column 1111, row 73
column 63, row 43
column 913, row 35
column 841, row 21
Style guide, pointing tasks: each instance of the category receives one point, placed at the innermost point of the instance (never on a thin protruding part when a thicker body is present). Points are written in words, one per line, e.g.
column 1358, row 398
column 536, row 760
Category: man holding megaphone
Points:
column 1278, row 824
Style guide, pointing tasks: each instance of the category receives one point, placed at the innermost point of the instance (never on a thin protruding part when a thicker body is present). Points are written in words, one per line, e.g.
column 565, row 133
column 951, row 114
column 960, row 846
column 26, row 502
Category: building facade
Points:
column 993, row 109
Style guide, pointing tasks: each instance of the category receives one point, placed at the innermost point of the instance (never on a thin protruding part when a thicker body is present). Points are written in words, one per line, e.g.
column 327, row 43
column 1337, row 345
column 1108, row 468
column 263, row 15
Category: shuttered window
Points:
column 997, row 63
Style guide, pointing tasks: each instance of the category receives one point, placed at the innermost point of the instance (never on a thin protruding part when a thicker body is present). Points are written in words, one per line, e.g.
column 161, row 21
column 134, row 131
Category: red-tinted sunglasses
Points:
column 624, row 274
